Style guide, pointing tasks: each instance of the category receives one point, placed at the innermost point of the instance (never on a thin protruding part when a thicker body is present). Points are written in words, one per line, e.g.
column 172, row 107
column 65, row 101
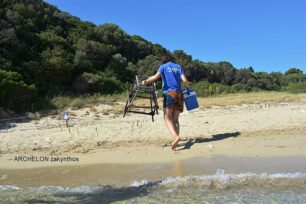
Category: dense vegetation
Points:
column 45, row 53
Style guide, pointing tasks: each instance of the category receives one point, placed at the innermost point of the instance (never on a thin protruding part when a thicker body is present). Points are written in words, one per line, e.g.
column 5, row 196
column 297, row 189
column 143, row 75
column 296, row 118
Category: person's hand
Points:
column 144, row 82
column 187, row 84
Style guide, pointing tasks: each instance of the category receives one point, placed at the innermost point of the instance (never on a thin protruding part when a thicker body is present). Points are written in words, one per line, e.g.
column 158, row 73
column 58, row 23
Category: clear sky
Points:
column 269, row 35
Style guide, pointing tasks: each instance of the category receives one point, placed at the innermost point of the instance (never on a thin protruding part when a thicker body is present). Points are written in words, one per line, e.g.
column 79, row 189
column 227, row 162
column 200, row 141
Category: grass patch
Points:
column 299, row 87
column 61, row 102
column 252, row 97
column 84, row 101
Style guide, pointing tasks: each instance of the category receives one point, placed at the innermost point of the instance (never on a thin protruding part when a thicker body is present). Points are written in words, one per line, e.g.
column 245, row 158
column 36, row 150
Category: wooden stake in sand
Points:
column 97, row 131
column 66, row 118
column 132, row 128
column 139, row 123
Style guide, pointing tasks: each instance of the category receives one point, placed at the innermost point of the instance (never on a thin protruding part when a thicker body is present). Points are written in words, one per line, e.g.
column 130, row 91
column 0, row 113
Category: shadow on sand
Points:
column 7, row 124
column 190, row 142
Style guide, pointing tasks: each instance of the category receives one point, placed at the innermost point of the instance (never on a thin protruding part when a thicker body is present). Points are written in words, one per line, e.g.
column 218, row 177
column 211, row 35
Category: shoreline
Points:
column 264, row 143
column 127, row 174
column 114, row 150
column 257, row 144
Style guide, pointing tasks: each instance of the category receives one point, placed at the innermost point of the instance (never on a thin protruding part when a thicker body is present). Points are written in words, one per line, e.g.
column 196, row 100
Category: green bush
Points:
column 240, row 88
column 97, row 83
column 14, row 93
column 299, row 87
column 207, row 89
column 294, row 78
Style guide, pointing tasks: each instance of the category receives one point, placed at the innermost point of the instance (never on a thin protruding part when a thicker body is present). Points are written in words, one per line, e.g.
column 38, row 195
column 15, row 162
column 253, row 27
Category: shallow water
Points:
column 199, row 180
column 220, row 187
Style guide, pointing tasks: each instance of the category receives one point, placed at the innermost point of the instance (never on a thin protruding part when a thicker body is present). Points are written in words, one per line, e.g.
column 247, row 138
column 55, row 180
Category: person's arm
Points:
column 151, row 79
column 185, row 81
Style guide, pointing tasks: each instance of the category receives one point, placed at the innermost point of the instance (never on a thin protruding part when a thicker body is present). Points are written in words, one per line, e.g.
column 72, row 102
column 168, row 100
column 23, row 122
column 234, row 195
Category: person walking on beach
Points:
column 172, row 75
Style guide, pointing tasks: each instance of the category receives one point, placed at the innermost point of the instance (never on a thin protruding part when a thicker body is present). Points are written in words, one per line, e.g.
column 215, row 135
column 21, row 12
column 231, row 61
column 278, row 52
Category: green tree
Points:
column 294, row 75
column 243, row 75
column 97, row 83
column 14, row 93
column 148, row 66
column 182, row 58
column 196, row 71
column 96, row 55
column 53, row 74
column 118, row 67
column 221, row 72
column 114, row 35
column 293, row 71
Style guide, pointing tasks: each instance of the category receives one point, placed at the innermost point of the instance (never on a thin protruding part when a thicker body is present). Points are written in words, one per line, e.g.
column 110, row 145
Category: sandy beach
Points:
column 99, row 134
column 242, row 145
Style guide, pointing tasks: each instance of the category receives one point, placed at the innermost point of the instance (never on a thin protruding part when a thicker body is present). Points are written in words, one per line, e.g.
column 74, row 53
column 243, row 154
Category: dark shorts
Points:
column 175, row 99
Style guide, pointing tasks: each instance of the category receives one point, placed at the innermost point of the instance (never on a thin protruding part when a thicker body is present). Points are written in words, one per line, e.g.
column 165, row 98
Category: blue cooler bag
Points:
column 190, row 99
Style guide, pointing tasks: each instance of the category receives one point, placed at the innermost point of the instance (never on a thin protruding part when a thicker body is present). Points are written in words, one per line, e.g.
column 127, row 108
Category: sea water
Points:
column 219, row 187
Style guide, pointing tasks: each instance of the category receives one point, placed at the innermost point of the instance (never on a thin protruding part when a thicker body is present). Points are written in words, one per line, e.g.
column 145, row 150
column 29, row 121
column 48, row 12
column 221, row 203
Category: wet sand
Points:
column 127, row 174
column 265, row 143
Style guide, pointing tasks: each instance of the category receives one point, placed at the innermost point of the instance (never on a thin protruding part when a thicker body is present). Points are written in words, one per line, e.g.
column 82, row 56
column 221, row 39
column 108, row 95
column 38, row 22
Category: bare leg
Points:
column 175, row 117
column 168, row 116
column 168, row 112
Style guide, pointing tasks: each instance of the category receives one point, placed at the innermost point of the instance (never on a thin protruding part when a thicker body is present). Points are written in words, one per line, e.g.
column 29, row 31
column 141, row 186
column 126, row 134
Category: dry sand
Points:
column 100, row 135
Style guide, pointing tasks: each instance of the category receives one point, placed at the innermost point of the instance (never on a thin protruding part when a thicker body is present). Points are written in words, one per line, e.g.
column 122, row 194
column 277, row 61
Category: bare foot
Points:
column 174, row 144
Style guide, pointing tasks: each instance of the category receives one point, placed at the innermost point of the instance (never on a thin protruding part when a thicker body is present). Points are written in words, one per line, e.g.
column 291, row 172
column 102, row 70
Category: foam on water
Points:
column 139, row 183
column 218, row 187
column 219, row 176
column 71, row 190
column 222, row 177
column 8, row 187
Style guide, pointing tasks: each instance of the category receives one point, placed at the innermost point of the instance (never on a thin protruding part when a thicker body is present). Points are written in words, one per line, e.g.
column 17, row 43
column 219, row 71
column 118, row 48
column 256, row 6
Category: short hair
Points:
column 168, row 57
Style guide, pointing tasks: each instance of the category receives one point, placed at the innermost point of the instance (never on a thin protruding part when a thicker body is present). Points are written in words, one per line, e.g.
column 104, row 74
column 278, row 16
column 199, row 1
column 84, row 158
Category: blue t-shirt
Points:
column 171, row 75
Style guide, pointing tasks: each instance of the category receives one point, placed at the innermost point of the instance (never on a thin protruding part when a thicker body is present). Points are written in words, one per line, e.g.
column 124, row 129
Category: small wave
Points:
column 139, row 183
column 8, row 187
column 220, row 178
column 55, row 189
column 69, row 190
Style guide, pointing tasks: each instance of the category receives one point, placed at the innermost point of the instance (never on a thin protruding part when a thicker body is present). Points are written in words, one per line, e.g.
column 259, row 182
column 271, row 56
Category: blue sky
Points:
column 269, row 35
